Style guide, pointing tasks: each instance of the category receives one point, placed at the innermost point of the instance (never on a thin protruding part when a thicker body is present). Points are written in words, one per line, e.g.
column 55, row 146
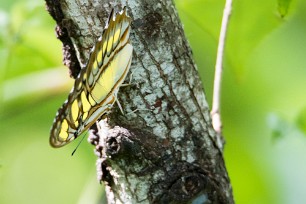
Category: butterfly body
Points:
column 96, row 87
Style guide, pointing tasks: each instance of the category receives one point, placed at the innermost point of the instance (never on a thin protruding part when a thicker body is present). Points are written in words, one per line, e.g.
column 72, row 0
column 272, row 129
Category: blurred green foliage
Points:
column 283, row 7
column 263, row 101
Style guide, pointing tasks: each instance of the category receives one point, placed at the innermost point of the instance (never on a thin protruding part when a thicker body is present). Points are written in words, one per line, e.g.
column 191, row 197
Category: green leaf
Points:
column 301, row 121
column 283, row 7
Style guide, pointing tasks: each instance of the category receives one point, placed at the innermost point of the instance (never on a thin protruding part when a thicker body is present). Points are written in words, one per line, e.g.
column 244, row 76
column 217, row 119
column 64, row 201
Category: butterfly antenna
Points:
column 78, row 145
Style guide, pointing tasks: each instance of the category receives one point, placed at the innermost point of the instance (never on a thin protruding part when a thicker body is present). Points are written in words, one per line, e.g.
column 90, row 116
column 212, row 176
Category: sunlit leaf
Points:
column 301, row 121
column 283, row 7
column 24, row 31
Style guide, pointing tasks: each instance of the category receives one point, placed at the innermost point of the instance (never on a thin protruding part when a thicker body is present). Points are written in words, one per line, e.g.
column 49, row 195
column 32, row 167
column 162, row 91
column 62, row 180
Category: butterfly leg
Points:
column 119, row 105
column 139, row 109
column 130, row 81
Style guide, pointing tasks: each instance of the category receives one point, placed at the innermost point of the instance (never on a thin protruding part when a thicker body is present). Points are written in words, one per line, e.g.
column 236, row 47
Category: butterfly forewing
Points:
column 96, row 86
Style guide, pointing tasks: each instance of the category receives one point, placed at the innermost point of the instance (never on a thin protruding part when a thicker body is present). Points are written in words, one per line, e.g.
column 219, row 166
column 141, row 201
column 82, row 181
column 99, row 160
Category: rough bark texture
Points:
column 167, row 150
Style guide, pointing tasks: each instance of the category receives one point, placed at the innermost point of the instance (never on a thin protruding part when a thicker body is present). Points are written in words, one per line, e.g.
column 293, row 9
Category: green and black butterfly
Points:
column 96, row 87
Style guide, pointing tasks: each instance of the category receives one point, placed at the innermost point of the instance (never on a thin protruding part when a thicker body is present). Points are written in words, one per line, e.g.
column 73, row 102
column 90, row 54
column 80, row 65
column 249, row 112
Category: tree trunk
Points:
column 163, row 149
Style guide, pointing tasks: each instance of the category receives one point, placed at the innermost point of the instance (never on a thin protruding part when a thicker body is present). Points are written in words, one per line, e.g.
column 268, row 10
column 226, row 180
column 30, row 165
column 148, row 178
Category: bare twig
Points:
column 215, row 113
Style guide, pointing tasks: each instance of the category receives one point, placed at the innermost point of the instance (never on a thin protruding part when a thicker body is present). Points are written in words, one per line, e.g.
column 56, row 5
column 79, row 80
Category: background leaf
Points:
column 301, row 120
column 283, row 7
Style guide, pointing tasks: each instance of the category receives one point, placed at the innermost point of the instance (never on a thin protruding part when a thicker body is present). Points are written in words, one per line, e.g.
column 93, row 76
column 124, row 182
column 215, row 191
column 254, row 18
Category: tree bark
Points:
column 164, row 149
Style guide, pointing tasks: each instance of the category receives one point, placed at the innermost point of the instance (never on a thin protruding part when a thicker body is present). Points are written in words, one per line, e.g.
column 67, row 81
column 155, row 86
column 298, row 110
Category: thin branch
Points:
column 215, row 113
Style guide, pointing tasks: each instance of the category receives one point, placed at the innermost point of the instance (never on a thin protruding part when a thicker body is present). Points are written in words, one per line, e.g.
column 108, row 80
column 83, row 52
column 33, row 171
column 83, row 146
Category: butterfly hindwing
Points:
column 96, row 86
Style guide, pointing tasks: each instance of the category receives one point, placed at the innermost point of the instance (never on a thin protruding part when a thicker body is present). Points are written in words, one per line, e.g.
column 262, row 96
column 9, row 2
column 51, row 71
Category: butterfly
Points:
column 96, row 87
